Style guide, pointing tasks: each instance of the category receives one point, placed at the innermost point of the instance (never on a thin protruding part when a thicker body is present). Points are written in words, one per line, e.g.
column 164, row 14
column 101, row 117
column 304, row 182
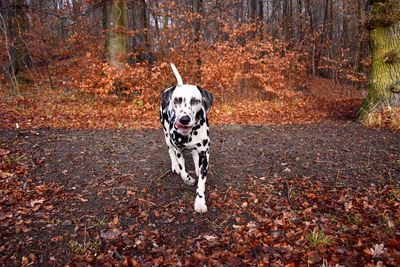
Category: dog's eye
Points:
column 194, row 101
column 177, row 100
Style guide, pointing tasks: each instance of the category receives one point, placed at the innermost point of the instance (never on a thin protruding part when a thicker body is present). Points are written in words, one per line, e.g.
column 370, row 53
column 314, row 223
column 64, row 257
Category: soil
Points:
column 97, row 196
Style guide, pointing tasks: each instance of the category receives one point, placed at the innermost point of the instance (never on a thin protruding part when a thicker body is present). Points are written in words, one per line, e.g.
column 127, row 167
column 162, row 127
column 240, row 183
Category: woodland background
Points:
column 301, row 58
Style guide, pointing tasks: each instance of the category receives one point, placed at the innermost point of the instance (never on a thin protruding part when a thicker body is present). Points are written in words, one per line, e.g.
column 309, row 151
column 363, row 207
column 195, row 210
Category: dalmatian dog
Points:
column 183, row 115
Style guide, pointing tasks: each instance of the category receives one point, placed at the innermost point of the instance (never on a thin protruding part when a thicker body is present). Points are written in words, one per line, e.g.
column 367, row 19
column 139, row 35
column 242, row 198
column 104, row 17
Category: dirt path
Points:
column 104, row 196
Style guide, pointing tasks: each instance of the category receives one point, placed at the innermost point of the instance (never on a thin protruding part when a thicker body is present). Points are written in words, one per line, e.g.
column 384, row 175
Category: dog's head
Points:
column 183, row 103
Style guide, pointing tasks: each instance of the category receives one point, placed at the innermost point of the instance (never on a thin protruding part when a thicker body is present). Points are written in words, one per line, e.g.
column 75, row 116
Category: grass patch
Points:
column 13, row 161
column 101, row 222
column 81, row 248
column 354, row 219
column 319, row 238
column 387, row 116
column 395, row 194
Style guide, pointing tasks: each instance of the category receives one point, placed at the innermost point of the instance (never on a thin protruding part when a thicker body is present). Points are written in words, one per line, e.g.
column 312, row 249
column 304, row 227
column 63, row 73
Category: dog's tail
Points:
column 177, row 75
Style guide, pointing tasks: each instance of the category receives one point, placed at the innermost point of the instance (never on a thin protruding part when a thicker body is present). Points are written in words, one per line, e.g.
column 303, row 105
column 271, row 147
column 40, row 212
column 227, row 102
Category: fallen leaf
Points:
column 4, row 175
column 110, row 234
column 4, row 152
column 57, row 238
column 37, row 201
column 210, row 237
column 213, row 195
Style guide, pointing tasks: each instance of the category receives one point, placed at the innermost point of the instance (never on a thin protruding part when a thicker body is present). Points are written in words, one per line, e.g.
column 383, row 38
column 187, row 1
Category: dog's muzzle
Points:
column 183, row 124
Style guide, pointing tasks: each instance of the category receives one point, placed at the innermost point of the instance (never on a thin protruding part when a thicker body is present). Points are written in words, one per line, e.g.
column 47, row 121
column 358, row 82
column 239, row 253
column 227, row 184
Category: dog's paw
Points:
column 189, row 180
column 176, row 170
column 200, row 205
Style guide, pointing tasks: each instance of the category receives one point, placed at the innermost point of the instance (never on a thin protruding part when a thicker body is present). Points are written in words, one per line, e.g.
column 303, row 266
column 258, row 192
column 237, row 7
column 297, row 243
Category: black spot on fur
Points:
column 195, row 132
column 164, row 116
column 166, row 97
column 199, row 114
column 178, row 155
column 198, row 144
column 197, row 194
column 179, row 139
column 203, row 164
column 196, row 127
column 205, row 141
column 200, row 158
column 180, row 166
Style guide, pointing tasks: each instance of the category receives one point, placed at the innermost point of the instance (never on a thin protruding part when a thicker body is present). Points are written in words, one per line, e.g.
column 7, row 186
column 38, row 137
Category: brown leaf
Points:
column 4, row 175
column 37, row 201
column 110, row 234
column 57, row 238
column 213, row 195
column 133, row 262
column 4, row 152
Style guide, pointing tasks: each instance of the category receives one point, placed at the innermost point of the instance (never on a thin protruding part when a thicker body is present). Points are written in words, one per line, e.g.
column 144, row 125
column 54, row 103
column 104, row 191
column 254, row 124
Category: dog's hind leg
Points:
column 200, row 202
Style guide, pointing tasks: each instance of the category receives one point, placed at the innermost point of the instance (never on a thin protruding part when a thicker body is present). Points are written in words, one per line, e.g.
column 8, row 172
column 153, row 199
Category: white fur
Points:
column 186, row 91
column 177, row 75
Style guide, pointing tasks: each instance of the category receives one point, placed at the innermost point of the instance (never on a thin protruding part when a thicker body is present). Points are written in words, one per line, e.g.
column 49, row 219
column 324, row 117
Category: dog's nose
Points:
column 184, row 120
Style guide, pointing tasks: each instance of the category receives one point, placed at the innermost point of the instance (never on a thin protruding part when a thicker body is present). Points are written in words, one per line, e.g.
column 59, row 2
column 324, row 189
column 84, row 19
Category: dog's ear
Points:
column 208, row 98
column 166, row 97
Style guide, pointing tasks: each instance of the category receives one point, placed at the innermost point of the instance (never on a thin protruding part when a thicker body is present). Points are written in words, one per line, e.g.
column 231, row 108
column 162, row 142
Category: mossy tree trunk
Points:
column 115, row 19
column 384, row 87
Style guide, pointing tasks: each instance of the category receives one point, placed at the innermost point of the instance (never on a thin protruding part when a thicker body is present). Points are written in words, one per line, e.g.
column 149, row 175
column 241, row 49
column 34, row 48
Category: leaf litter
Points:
column 338, row 206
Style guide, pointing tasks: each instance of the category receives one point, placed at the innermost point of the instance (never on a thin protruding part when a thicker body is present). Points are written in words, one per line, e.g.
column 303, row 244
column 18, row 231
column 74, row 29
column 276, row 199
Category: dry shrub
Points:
column 386, row 116
column 226, row 70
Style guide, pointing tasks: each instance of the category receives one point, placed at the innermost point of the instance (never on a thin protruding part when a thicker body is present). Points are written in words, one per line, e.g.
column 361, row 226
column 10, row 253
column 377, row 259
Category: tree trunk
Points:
column 318, row 55
column 141, row 42
column 18, row 25
column 260, row 20
column 384, row 88
column 197, row 9
column 311, row 33
column 115, row 20
column 253, row 17
column 287, row 20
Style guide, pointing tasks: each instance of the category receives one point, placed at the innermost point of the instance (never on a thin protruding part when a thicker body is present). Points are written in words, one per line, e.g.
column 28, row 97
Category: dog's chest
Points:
column 197, row 138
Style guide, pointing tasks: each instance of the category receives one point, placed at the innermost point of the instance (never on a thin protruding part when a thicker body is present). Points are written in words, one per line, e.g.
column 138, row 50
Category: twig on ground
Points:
column 119, row 187
column 226, row 193
column 158, row 178
column 288, row 192
column 181, row 188
column 147, row 201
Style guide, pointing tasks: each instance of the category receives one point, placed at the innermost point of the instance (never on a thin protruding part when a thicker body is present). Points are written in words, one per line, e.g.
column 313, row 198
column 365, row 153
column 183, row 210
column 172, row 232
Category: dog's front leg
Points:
column 195, row 155
column 200, row 202
column 174, row 161
column 182, row 170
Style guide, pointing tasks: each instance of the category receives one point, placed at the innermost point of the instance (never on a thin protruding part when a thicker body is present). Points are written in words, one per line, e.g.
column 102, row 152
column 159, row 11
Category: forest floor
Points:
column 286, row 194
column 77, row 188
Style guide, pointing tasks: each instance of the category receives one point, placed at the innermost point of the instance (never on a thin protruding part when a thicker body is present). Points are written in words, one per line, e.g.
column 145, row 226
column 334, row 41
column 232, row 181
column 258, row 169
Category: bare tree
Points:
column 115, row 20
